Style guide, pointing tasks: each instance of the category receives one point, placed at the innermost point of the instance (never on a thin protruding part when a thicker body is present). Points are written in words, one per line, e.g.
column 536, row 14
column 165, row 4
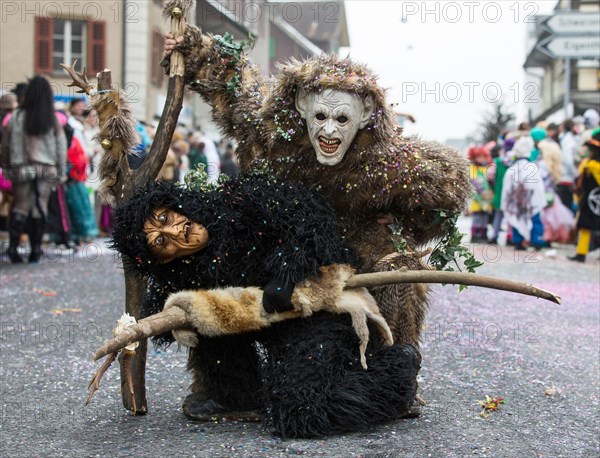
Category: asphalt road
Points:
column 542, row 358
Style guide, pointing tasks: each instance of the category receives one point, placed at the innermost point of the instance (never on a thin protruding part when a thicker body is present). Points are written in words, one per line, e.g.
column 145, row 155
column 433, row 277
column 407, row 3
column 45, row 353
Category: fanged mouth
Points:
column 329, row 145
column 186, row 230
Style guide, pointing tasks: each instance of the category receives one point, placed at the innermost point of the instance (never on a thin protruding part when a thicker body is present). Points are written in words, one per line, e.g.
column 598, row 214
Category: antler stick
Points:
column 79, row 79
column 94, row 384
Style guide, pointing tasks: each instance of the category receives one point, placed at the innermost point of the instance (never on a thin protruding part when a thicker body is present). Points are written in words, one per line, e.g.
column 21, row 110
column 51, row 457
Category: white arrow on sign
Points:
column 562, row 46
column 574, row 22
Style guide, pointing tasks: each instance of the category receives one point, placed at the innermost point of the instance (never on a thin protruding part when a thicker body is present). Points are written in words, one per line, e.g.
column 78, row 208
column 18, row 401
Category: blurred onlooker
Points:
column 8, row 102
column 498, row 169
column 19, row 91
column 169, row 168
column 213, row 167
column 588, row 196
column 568, row 146
column 58, row 221
column 551, row 156
column 77, row 110
column 34, row 154
column 94, row 153
column 145, row 137
column 83, row 221
column 481, row 200
column 522, row 131
column 144, row 134
column 557, row 219
column 591, row 120
column 181, row 148
column 523, row 197
column 196, row 154
column 229, row 165
column 537, row 134
column 552, row 131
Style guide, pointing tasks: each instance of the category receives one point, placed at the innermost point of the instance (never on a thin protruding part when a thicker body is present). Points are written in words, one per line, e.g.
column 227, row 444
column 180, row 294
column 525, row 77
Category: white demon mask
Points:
column 333, row 119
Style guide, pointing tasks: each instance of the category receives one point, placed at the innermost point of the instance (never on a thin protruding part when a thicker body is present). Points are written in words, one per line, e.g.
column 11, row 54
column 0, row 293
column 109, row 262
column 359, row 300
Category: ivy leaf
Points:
column 197, row 179
column 450, row 249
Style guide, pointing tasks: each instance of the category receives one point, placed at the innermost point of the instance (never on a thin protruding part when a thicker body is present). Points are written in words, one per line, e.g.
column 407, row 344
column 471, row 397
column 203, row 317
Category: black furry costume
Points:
column 308, row 381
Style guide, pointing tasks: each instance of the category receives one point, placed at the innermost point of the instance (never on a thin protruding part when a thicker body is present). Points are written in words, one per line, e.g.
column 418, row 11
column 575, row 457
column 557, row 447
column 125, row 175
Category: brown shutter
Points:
column 43, row 44
column 96, row 56
column 154, row 70
column 157, row 71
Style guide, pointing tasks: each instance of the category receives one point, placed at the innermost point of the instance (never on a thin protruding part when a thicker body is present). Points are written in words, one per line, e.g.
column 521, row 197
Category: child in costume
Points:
column 524, row 197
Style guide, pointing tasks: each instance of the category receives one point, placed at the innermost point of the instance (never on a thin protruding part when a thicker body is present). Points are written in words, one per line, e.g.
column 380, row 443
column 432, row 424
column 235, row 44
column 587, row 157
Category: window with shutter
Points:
column 96, row 46
column 43, row 45
column 61, row 41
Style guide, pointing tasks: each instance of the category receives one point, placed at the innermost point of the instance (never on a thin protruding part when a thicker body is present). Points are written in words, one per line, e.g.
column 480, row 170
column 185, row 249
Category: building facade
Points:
column 126, row 37
column 550, row 75
column 36, row 37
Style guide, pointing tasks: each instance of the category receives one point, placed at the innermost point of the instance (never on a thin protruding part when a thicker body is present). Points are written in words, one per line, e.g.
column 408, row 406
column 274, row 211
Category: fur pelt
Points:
column 382, row 172
column 238, row 310
column 117, row 125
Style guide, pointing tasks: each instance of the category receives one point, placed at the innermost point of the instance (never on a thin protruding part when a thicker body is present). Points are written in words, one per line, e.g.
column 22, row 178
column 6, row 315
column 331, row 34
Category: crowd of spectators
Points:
column 66, row 208
column 529, row 183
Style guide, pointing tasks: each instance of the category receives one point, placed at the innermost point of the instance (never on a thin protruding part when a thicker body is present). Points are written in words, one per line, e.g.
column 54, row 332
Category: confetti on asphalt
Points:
column 44, row 292
column 551, row 391
column 490, row 405
column 57, row 312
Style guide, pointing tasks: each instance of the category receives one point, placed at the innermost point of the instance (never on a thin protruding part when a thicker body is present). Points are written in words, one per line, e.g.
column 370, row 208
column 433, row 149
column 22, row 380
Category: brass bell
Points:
column 176, row 12
column 106, row 143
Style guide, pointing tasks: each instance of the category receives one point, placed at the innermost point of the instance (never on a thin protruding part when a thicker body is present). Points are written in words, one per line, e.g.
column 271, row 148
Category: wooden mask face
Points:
column 171, row 235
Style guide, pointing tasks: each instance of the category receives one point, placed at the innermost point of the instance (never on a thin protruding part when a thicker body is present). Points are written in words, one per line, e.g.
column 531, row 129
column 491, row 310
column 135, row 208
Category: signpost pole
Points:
column 567, row 98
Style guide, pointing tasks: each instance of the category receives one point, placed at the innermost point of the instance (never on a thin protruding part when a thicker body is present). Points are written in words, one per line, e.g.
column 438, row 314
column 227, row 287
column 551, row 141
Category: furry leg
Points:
column 226, row 378
column 315, row 385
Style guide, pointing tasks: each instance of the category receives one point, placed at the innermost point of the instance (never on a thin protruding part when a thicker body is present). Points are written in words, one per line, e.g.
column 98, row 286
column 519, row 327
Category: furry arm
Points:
column 439, row 180
column 233, row 87
column 415, row 180
column 237, row 310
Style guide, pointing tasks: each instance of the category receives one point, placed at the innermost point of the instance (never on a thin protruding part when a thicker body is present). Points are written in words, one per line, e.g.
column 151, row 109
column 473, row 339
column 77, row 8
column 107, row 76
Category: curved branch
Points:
column 167, row 320
column 456, row 278
column 174, row 102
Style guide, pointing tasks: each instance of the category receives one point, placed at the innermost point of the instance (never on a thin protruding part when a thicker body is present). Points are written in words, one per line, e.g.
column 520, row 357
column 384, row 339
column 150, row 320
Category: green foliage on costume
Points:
column 234, row 52
column 197, row 180
column 400, row 244
column 449, row 249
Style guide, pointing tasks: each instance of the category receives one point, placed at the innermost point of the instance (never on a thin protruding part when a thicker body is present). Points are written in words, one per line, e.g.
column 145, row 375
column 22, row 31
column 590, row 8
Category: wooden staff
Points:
column 135, row 289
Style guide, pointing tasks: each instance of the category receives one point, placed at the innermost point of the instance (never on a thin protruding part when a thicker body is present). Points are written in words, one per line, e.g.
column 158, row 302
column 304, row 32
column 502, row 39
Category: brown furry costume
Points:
column 382, row 172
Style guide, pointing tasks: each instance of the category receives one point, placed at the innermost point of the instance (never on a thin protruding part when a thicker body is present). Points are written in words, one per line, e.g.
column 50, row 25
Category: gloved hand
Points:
column 277, row 296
